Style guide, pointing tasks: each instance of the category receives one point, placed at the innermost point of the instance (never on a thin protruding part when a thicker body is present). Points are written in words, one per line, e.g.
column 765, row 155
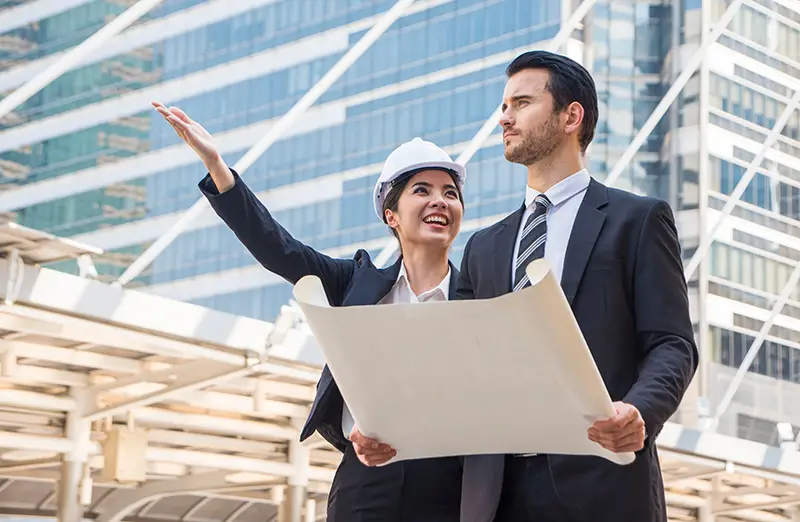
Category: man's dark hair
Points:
column 392, row 199
column 569, row 82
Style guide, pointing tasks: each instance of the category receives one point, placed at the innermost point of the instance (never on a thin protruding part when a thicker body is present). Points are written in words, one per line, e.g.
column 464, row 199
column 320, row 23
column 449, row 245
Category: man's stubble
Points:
column 536, row 145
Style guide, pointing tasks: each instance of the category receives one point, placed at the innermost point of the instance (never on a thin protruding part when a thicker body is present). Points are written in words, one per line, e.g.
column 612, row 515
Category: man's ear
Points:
column 574, row 113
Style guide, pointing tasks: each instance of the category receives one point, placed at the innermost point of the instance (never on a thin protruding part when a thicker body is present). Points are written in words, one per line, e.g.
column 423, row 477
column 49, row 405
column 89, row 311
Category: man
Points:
column 617, row 257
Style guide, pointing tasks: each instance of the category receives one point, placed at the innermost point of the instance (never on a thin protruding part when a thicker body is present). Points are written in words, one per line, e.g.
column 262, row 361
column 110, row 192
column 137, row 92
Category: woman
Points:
column 419, row 196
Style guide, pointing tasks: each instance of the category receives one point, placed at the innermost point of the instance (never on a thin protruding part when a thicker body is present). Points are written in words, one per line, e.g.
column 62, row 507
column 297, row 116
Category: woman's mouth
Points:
column 437, row 220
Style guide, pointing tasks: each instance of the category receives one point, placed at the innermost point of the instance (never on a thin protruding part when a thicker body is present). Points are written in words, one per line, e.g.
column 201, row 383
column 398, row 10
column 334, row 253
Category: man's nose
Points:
column 506, row 120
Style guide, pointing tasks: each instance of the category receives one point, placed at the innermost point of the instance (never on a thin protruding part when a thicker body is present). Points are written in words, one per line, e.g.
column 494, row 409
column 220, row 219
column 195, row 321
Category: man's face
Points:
column 531, row 129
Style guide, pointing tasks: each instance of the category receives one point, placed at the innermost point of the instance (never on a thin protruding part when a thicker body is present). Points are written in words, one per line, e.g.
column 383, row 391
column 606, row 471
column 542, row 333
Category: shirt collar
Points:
column 443, row 287
column 563, row 190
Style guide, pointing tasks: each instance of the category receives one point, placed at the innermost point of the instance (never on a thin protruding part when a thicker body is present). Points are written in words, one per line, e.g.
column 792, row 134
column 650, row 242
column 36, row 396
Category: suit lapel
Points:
column 453, row 287
column 370, row 285
column 588, row 223
column 502, row 250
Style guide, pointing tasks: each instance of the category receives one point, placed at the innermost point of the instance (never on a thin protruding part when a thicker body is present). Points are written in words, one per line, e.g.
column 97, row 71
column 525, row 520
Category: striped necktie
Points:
column 531, row 246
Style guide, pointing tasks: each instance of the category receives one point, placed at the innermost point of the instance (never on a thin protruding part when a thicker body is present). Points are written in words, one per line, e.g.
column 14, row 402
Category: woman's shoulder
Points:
column 363, row 259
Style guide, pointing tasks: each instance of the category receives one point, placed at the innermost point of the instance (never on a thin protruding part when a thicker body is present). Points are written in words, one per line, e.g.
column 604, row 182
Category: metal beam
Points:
column 308, row 99
column 183, row 378
column 741, row 186
column 569, row 25
column 672, row 93
column 788, row 288
column 94, row 42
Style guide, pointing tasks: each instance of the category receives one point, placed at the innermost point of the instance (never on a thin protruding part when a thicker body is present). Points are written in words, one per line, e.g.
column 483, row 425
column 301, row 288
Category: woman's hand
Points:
column 369, row 451
column 190, row 132
column 199, row 139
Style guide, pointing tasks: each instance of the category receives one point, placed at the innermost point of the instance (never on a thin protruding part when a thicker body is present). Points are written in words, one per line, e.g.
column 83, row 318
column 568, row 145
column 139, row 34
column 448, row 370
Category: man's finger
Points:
column 367, row 451
column 633, row 438
column 358, row 438
column 618, row 422
column 633, row 429
column 375, row 460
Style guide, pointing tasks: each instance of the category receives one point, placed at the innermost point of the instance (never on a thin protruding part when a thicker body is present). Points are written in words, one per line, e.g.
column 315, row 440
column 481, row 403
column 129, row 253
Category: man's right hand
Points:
column 369, row 451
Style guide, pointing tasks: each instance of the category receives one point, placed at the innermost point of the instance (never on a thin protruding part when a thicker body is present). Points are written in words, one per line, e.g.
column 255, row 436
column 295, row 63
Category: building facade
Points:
column 89, row 159
column 716, row 129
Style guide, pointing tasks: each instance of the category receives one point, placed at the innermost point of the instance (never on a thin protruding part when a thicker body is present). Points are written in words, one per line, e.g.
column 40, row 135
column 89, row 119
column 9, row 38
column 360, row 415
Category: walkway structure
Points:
column 148, row 409
column 125, row 399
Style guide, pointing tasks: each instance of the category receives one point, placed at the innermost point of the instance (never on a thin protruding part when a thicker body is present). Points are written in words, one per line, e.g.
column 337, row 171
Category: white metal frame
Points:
column 704, row 246
column 308, row 99
column 94, row 42
column 673, row 92
column 755, row 346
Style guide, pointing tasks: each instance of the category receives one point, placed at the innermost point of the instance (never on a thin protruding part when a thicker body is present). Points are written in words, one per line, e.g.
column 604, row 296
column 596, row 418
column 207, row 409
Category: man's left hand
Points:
column 624, row 432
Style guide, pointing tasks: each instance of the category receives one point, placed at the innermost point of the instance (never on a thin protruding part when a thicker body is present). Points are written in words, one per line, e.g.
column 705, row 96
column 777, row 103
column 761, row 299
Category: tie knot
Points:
column 542, row 201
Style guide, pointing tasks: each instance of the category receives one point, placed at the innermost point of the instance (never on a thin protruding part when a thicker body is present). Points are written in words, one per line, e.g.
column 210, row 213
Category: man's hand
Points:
column 622, row 433
column 369, row 451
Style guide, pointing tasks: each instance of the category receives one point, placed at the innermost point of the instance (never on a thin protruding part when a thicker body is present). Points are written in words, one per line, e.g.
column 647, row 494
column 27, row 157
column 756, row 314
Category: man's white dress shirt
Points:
column 566, row 197
column 401, row 292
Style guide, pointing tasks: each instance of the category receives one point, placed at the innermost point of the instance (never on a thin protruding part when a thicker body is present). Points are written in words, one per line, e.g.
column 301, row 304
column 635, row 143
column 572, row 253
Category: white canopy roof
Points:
column 222, row 398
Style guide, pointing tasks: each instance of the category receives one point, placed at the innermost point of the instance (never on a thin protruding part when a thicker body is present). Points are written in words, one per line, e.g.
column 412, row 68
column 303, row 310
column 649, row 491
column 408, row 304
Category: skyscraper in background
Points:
column 87, row 157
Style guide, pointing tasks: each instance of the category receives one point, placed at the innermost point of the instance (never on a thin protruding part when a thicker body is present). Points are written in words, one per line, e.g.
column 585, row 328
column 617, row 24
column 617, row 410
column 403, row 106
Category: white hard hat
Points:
column 413, row 155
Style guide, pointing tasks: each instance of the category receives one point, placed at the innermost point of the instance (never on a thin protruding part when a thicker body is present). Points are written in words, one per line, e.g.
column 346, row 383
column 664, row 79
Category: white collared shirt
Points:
column 401, row 292
column 566, row 197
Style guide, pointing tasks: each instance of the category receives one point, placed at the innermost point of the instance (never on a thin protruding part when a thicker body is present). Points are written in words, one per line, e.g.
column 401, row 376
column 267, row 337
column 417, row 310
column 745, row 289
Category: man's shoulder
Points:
column 635, row 206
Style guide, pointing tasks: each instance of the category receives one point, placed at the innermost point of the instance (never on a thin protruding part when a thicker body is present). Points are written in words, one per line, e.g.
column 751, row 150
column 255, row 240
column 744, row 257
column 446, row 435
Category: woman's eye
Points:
column 452, row 194
column 420, row 190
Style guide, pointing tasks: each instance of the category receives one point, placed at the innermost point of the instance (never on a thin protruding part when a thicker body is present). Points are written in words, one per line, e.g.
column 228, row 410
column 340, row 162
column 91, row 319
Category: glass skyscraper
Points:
column 88, row 158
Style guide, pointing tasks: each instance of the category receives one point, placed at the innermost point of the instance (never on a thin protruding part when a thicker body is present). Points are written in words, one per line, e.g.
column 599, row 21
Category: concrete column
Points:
column 70, row 505
column 294, row 499
column 291, row 509
column 705, row 514
column 311, row 510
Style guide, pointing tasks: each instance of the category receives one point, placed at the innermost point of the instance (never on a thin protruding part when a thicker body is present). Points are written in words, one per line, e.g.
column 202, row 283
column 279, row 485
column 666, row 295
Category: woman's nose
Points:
column 439, row 201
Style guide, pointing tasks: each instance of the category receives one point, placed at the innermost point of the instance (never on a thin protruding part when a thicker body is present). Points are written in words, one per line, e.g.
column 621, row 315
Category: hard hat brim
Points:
column 379, row 193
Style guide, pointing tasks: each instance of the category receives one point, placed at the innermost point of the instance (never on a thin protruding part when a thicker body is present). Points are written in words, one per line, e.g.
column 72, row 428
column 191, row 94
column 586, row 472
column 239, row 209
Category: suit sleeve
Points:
column 270, row 243
column 664, row 330
column 464, row 290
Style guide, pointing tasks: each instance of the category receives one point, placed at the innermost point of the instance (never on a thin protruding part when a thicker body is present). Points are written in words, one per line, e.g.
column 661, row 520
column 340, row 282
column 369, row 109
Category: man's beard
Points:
column 536, row 145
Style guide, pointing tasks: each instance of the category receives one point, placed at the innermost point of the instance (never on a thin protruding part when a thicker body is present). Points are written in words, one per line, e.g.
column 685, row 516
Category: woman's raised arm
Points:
column 250, row 220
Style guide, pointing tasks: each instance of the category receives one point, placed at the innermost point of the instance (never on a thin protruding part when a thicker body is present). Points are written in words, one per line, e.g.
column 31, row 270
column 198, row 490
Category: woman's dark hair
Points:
column 392, row 199
column 569, row 82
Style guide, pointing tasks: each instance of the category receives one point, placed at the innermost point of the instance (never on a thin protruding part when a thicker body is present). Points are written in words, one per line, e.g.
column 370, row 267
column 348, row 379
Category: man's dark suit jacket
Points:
column 347, row 282
column 623, row 278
